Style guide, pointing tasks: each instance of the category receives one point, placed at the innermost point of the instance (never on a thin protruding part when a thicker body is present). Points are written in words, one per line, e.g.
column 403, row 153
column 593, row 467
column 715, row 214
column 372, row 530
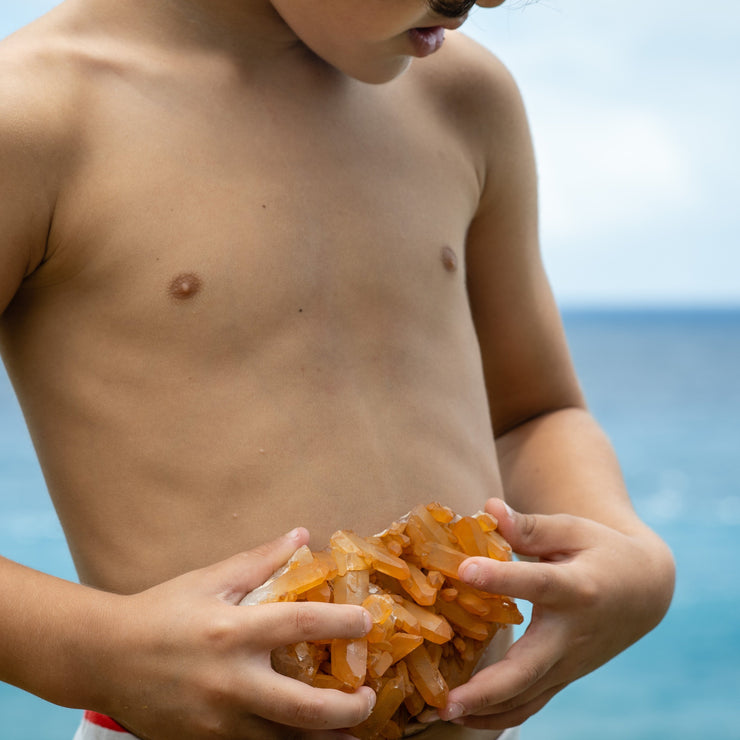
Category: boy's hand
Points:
column 594, row 592
column 189, row 664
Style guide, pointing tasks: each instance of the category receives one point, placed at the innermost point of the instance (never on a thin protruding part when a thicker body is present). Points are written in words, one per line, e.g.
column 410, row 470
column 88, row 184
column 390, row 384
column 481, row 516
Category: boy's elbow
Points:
column 666, row 576
column 660, row 575
column 505, row 424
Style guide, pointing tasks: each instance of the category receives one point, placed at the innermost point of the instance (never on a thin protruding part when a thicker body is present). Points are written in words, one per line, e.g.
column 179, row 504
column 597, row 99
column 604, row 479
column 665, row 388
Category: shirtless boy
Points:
column 262, row 266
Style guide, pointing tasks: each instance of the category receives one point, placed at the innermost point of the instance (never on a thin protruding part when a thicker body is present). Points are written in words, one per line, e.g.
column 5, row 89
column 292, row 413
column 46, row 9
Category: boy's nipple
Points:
column 449, row 259
column 184, row 286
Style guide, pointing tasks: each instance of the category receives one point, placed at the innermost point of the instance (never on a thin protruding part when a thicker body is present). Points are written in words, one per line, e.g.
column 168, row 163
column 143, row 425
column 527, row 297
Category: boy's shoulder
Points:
column 50, row 73
column 39, row 81
column 466, row 68
column 472, row 88
column 39, row 116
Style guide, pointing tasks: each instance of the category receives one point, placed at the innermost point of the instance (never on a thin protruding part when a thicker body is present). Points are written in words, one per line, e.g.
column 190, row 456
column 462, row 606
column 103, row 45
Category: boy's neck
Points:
column 235, row 22
column 243, row 28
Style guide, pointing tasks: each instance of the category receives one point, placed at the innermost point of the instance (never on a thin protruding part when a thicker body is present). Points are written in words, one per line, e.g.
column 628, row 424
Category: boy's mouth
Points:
column 426, row 40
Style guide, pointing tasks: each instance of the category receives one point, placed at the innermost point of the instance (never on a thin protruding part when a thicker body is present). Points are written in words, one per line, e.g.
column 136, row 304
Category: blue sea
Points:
column 666, row 387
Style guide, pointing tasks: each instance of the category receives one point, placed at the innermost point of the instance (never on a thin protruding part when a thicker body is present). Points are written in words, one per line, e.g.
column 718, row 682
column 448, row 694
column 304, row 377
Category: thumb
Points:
column 545, row 536
column 234, row 578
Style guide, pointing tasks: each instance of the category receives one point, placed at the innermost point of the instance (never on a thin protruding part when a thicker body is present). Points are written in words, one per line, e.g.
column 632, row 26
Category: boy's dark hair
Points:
column 456, row 8
column 451, row 8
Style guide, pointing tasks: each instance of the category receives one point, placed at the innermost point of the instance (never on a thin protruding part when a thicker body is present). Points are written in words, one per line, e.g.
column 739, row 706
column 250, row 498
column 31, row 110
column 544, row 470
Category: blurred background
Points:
column 635, row 114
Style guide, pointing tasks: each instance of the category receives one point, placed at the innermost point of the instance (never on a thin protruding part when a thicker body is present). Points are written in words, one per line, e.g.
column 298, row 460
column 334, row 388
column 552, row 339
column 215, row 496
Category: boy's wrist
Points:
column 98, row 650
column 55, row 632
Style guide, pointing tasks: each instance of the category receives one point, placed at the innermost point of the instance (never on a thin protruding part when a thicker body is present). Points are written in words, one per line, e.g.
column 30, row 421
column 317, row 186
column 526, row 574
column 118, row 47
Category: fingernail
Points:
column 368, row 622
column 508, row 508
column 454, row 711
column 294, row 534
column 471, row 573
column 371, row 702
column 428, row 716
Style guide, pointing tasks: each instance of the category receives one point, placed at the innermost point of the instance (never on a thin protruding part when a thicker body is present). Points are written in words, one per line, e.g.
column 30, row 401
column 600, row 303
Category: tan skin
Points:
column 244, row 290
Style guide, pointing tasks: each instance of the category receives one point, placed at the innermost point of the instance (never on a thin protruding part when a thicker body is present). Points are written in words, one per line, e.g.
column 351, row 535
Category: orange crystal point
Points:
column 418, row 587
column 433, row 627
column 486, row 521
column 300, row 661
column 352, row 588
column 427, row 678
column 402, row 644
column 442, row 514
column 405, row 619
column 473, row 603
column 319, row 593
column 503, row 611
column 326, row 681
column 384, row 560
column 374, row 553
column 349, row 661
column 414, row 703
column 471, row 537
column 465, row 622
column 443, row 558
column 436, row 579
column 380, row 607
column 423, row 527
column 390, row 698
column 378, row 661
column 327, row 561
column 300, row 574
column 498, row 547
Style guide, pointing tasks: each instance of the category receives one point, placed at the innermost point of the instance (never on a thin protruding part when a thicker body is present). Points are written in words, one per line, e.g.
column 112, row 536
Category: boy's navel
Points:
column 184, row 286
column 449, row 259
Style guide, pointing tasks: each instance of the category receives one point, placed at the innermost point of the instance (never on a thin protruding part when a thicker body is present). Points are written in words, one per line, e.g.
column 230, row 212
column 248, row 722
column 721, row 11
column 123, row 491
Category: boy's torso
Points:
column 252, row 314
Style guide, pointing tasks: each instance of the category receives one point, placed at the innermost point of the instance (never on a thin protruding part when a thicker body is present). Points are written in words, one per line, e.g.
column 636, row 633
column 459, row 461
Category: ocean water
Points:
column 666, row 387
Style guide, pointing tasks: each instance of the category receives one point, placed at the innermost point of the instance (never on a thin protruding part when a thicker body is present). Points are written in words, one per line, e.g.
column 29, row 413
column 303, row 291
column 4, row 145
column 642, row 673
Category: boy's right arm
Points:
column 26, row 192
column 180, row 660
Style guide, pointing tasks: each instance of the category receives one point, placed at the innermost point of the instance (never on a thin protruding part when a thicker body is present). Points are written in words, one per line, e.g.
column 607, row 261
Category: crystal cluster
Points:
column 429, row 628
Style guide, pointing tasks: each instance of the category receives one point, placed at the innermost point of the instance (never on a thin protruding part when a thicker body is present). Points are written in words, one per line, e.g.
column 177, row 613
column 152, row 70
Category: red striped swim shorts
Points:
column 99, row 727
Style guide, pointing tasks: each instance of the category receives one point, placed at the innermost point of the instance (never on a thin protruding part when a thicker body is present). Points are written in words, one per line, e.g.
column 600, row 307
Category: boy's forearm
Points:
column 562, row 462
column 598, row 578
column 50, row 629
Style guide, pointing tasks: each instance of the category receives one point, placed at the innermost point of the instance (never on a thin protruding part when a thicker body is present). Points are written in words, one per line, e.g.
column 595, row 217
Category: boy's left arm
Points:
column 599, row 578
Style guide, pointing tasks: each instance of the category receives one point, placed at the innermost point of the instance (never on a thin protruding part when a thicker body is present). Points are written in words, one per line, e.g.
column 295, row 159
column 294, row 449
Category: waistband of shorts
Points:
column 100, row 720
column 106, row 723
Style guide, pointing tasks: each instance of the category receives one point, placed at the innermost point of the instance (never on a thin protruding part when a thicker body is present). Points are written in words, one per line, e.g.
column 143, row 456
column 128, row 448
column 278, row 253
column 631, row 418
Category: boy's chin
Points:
column 377, row 74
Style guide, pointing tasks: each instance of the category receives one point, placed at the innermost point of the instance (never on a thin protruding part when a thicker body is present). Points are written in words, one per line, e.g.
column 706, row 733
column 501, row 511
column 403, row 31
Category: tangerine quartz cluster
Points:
column 429, row 629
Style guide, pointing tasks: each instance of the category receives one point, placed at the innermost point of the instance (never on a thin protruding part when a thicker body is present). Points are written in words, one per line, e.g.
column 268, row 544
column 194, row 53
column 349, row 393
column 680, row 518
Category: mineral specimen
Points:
column 429, row 628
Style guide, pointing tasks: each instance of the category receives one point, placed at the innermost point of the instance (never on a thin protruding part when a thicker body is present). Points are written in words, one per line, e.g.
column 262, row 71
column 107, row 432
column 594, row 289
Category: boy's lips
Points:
column 428, row 39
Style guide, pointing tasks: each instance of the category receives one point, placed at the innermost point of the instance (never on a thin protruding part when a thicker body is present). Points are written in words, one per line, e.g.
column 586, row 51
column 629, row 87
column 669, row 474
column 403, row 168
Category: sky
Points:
column 634, row 107
column 635, row 113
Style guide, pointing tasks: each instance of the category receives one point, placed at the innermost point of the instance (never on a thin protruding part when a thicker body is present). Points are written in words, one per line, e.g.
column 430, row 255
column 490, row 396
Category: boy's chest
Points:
column 263, row 216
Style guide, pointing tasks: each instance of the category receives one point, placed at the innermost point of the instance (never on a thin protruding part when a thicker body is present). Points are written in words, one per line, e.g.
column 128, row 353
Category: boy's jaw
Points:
column 368, row 49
